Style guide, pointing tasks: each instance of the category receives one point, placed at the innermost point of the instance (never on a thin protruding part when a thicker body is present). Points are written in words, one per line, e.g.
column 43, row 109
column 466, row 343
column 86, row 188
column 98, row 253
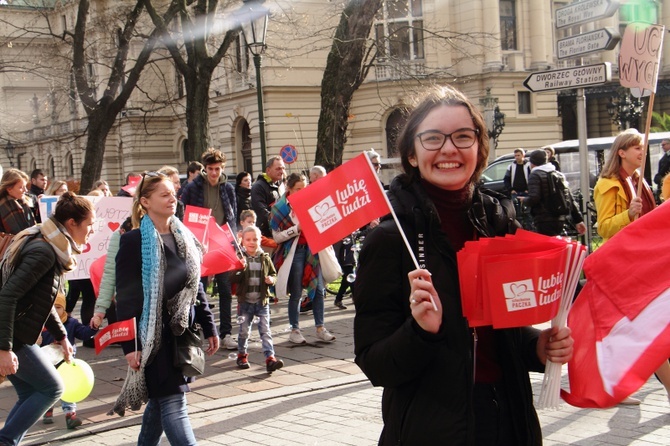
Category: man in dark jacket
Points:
column 38, row 183
column 211, row 190
column 266, row 190
column 663, row 164
column 538, row 190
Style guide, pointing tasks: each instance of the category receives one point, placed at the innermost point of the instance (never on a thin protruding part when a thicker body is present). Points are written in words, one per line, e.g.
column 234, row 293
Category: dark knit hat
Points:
column 538, row 157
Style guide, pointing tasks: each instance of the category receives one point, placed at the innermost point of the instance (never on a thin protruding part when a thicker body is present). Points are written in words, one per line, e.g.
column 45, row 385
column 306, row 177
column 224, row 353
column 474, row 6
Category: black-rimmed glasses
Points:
column 435, row 140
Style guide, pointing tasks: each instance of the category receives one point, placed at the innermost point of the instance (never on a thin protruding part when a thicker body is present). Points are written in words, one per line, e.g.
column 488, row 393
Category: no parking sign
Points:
column 289, row 154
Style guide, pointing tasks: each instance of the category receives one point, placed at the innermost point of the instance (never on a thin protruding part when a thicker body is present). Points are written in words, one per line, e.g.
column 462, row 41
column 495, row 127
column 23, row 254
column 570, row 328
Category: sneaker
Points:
column 306, row 305
column 296, row 337
column 242, row 360
column 340, row 305
column 272, row 364
column 71, row 420
column 48, row 417
column 324, row 335
column 229, row 343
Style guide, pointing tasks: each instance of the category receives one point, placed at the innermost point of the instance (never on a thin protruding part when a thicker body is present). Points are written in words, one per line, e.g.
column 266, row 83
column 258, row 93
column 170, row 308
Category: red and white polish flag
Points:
column 346, row 199
column 620, row 321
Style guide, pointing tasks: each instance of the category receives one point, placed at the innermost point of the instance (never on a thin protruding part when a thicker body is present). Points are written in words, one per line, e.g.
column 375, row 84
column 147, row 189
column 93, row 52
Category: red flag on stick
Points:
column 197, row 220
column 118, row 332
column 620, row 319
column 347, row 198
column 222, row 253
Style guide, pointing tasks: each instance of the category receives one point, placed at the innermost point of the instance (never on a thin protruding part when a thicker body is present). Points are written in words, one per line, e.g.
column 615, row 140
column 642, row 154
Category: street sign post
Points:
column 575, row 46
column 568, row 78
column 585, row 11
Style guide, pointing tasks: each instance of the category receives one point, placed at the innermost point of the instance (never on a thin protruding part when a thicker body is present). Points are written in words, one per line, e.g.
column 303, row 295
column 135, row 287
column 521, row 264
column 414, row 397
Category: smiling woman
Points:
column 444, row 382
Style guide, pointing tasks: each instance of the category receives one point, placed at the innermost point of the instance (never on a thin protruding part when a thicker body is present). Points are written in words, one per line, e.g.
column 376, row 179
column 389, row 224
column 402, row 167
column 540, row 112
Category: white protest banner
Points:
column 110, row 212
column 640, row 57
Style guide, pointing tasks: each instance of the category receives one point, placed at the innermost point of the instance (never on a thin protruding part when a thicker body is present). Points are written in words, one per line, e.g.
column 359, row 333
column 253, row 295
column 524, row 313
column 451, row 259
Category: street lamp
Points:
column 625, row 109
column 9, row 150
column 254, row 21
column 494, row 118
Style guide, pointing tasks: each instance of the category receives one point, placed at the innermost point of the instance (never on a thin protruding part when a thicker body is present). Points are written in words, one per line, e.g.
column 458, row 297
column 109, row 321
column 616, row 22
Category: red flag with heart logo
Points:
column 347, row 198
column 197, row 220
column 620, row 320
column 117, row 332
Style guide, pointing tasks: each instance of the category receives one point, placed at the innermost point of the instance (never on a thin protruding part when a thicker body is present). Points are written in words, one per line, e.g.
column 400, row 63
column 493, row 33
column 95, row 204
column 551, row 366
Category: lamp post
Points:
column 9, row 150
column 494, row 118
column 625, row 109
column 255, row 25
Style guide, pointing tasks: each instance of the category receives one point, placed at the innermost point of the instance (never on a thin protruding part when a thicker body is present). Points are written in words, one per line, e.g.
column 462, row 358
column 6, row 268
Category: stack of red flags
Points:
column 515, row 280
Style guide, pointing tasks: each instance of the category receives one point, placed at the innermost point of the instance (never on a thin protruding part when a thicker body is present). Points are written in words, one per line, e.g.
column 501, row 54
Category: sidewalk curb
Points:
column 195, row 411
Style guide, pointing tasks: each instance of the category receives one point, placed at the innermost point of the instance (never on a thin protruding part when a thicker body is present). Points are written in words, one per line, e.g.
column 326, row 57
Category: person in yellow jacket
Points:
column 615, row 193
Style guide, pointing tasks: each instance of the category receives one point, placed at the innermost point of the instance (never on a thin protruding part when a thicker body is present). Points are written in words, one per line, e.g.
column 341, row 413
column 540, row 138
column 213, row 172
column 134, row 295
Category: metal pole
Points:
column 261, row 116
column 584, row 182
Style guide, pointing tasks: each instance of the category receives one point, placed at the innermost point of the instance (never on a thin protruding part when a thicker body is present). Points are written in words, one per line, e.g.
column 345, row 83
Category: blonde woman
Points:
column 615, row 193
column 158, row 283
column 15, row 209
column 58, row 188
column 103, row 187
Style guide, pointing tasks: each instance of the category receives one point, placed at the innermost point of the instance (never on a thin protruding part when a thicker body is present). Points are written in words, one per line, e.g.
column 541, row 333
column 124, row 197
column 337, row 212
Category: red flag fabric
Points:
column 133, row 182
column 197, row 220
column 222, row 253
column 117, row 332
column 347, row 198
column 95, row 272
column 620, row 320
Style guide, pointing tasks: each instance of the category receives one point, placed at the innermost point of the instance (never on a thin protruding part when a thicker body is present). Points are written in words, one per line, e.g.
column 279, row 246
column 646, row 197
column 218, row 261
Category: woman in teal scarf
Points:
column 158, row 283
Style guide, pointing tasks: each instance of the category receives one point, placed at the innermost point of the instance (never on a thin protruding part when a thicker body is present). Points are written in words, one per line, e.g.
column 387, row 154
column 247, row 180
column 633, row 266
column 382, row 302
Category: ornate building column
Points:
column 491, row 24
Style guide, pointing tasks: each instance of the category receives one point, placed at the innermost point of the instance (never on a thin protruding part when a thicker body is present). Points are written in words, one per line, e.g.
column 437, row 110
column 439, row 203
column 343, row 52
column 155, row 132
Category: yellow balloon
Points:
column 78, row 379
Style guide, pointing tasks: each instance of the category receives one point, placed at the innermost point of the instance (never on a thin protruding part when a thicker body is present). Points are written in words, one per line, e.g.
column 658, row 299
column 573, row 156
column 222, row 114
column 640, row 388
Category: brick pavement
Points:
column 318, row 398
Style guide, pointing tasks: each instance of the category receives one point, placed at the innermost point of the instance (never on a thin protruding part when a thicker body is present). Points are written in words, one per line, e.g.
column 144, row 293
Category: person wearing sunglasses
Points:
column 444, row 382
column 158, row 284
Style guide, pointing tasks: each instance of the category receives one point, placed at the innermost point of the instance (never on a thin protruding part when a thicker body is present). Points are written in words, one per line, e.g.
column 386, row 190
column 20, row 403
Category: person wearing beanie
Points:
column 75, row 330
column 546, row 222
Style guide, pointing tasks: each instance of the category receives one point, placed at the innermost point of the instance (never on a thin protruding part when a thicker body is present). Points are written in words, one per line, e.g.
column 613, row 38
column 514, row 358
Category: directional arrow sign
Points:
column 585, row 11
column 568, row 78
column 591, row 42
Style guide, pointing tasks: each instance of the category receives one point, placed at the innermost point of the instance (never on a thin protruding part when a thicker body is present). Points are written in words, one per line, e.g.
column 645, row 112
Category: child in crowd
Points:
column 253, row 297
column 75, row 329
column 248, row 218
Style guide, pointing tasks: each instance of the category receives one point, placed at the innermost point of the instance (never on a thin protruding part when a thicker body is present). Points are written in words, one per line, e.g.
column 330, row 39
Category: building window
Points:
column 523, row 97
column 508, row 25
column 241, row 55
column 69, row 165
column 399, row 30
column 394, row 124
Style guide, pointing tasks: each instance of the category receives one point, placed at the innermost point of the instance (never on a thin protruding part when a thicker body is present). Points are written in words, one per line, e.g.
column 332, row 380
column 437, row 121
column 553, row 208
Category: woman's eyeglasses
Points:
column 461, row 139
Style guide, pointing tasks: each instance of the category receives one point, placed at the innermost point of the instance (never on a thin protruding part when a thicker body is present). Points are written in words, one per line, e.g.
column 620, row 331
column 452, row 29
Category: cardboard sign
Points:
column 110, row 213
column 640, row 57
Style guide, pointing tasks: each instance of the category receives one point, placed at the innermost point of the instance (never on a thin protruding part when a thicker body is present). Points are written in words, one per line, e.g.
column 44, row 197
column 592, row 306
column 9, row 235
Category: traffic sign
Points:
column 591, row 42
column 289, row 154
column 585, row 11
column 567, row 78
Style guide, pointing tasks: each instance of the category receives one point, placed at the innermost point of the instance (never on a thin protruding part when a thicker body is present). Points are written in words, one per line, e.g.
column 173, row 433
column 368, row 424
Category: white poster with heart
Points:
column 110, row 212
